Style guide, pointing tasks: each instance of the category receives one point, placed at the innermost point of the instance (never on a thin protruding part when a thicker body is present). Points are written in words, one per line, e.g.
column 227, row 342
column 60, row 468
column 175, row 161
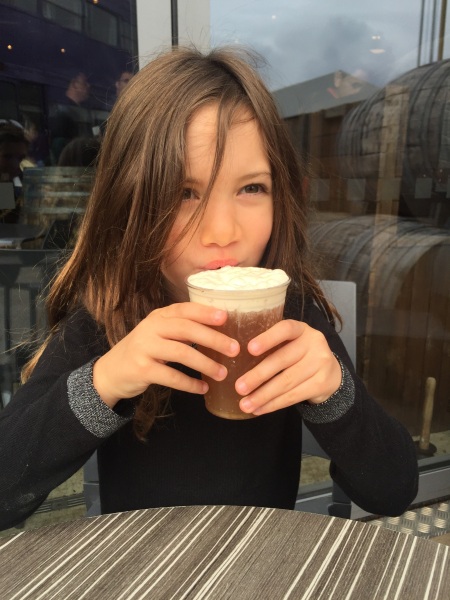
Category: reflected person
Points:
column 122, row 81
column 71, row 119
column 13, row 150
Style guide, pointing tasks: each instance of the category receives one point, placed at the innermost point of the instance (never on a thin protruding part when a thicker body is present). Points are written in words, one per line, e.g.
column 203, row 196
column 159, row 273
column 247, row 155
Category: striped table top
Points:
column 214, row 552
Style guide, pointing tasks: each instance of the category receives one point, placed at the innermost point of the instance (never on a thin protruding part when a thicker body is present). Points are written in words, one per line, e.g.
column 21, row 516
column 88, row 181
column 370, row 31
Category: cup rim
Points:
column 276, row 286
column 253, row 291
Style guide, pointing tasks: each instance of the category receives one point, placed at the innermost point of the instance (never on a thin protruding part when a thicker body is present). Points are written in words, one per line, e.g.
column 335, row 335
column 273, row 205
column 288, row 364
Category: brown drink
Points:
column 254, row 299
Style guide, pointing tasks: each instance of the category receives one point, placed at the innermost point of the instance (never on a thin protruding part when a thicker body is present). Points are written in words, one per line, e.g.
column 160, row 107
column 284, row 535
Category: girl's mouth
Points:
column 218, row 264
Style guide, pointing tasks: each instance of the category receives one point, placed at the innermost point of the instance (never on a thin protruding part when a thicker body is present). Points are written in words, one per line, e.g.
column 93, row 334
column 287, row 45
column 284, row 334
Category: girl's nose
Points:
column 219, row 224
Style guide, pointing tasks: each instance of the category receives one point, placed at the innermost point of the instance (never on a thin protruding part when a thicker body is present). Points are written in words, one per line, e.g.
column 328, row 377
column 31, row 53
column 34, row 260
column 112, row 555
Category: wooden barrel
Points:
column 55, row 194
column 420, row 100
column 403, row 285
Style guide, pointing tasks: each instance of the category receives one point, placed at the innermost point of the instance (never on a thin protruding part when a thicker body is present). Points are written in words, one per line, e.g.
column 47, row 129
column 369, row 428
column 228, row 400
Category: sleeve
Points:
column 373, row 458
column 55, row 421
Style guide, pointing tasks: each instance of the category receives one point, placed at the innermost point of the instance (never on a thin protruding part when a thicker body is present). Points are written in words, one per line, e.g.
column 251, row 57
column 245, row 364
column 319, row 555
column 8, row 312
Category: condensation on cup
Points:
column 254, row 299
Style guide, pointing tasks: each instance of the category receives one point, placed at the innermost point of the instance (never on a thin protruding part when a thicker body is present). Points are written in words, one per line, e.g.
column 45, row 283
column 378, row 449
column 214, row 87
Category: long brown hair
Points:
column 115, row 268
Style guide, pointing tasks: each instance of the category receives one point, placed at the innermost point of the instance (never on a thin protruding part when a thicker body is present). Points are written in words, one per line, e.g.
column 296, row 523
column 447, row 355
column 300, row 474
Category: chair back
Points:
column 343, row 295
column 23, row 276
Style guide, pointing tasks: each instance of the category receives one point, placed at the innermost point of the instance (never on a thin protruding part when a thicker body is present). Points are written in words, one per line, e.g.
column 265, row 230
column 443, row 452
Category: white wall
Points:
column 154, row 25
column 194, row 23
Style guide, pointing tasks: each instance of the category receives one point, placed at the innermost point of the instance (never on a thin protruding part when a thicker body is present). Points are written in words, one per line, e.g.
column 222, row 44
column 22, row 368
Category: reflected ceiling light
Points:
column 9, row 46
column 376, row 45
column 63, row 50
column 274, row 17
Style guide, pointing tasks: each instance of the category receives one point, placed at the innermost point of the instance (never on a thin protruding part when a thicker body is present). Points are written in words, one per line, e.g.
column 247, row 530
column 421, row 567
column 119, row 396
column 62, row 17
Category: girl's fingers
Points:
column 186, row 323
column 193, row 312
column 166, row 335
column 291, row 353
column 284, row 331
column 170, row 351
column 304, row 368
column 192, row 332
column 172, row 378
column 282, row 390
column 289, row 399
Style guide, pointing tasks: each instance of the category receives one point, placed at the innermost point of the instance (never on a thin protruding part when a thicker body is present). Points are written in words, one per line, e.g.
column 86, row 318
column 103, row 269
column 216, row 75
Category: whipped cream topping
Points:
column 238, row 278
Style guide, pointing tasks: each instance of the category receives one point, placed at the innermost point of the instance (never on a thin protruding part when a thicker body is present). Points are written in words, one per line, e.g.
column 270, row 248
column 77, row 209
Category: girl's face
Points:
column 237, row 222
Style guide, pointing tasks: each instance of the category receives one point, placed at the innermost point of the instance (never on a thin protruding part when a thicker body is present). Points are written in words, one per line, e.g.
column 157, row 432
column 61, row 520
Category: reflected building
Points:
column 51, row 42
column 380, row 185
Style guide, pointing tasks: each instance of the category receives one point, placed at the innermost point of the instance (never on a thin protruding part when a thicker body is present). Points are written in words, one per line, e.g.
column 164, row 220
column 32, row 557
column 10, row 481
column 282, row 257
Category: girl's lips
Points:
column 218, row 264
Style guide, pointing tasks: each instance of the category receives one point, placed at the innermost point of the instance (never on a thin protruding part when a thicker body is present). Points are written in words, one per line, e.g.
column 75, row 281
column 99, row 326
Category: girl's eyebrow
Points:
column 245, row 176
column 191, row 180
column 255, row 175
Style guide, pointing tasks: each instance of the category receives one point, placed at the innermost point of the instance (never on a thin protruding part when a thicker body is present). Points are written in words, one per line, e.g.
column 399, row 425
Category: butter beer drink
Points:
column 254, row 299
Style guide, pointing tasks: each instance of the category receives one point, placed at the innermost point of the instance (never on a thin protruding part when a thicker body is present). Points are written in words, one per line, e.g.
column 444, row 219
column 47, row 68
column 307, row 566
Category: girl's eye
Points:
column 253, row 188
column 188, row 194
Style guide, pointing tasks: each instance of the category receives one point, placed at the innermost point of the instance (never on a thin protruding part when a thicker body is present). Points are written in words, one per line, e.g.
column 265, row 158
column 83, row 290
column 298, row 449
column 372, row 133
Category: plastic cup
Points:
column 250, row 312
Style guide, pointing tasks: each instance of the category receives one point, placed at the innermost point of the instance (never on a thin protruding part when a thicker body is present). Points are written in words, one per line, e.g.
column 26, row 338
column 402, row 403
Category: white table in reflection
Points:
column 215, row 552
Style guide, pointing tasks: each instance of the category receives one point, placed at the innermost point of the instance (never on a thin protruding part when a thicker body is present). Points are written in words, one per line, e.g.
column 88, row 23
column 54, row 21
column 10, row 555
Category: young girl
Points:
column 196, row 172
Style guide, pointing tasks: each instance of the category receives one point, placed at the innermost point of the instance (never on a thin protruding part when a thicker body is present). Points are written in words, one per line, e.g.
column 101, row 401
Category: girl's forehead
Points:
column 242, row 149
column 202, row 125
column 208, row 115
column 202, row 130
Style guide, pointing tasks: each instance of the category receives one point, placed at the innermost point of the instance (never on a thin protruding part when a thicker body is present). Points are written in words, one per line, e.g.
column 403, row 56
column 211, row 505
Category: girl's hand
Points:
column 166, row 335
column 302, row 369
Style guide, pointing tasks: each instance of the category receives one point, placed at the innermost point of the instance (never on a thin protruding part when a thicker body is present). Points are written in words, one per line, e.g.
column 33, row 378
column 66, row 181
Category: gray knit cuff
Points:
column 336, row 406
column 98, row 418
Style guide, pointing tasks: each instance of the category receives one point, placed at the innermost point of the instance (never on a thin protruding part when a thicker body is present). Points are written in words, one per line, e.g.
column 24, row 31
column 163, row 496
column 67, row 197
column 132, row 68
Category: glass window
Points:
column 27, row 5
column 127, row 35
column 66, row 13
column 302, row 41
column 9, row 100
column 364, row 91
column 101, row 25
column 62, row 67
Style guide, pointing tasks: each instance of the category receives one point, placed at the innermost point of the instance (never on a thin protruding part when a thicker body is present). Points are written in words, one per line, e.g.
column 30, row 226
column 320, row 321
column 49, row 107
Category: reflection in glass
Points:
column 381, row 173
column 366, row 103
column 373, row 126
column 63, row 65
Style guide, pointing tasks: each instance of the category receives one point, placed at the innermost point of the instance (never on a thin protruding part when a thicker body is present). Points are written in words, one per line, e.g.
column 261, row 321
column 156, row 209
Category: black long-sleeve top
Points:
column 57, row 420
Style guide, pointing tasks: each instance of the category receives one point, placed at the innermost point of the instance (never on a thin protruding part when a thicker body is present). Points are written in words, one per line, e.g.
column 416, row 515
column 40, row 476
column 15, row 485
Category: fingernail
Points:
column 253, row 347
column 234, row 347
column 246, row 405
column 218, row 315
column 222, row 373
column 241, row 387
